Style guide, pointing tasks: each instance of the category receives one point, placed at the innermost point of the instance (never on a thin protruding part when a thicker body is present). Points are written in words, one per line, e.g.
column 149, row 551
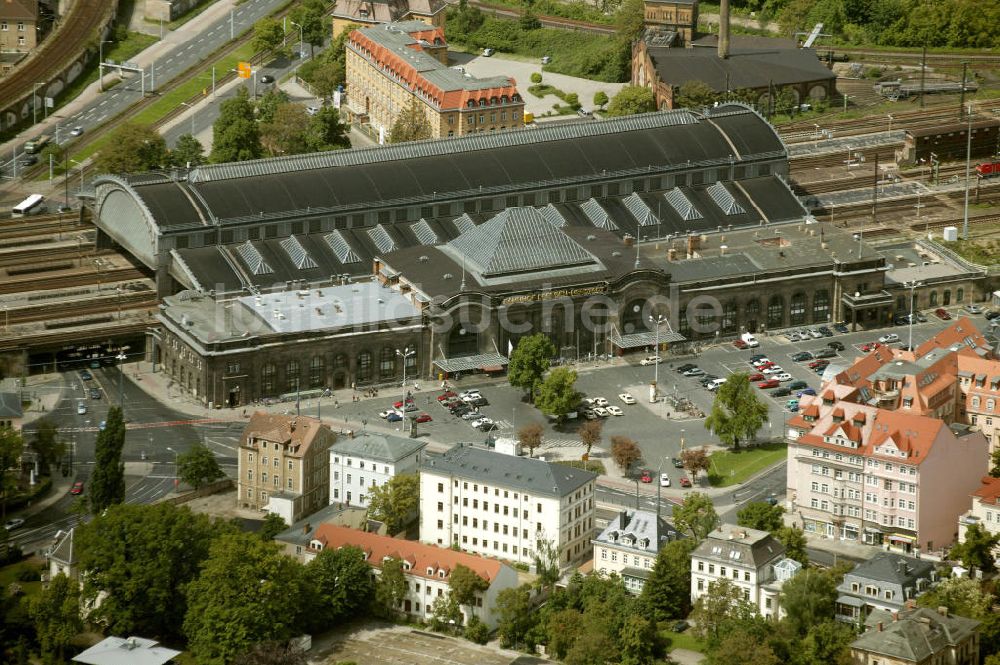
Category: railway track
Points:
column 27, row 227
column 933, row 116
column 64, row 310
column 77, row 32
column 40, row 253
column 41, row 282
column 981, row 220
column 57, row 338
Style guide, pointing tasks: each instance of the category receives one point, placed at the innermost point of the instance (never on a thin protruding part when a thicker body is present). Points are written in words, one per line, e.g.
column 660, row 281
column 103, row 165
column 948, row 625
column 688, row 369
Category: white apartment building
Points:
column 367, row 460
column 505, row 506
column 745, row 557
column 629, row 544
column 985, row 510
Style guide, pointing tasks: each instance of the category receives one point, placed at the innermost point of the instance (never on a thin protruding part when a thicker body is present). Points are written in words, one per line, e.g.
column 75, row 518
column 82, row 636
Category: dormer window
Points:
column 441, row 574
column 406, row 565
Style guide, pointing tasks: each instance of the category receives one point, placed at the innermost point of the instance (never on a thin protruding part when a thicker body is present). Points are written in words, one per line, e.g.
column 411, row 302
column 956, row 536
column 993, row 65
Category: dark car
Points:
column 478, row 401
column 841, row 328
column 836, row 346
column 685, row 367
column 802, row 356
column 95, row 393
column 86, row 376
column 807, row 391
column 992, row 314
column 797, row 385
column 826, row 353
column 28, row 160
column 819, row 369
column 900, row 321
column 826, row 332
column 781, row 392
column 680, row 626
column 676, row 461
column 757, row 356
column 707, row 379
column 267, row 78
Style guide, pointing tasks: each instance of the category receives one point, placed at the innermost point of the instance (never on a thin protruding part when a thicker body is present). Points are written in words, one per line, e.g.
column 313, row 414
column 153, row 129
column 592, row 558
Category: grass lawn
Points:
column 590, row 465
column 685, row 640
column 8, row 575
column 734, row 467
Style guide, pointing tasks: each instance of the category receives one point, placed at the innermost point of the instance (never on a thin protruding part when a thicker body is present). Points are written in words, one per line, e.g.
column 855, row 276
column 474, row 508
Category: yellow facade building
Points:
column 348, row 13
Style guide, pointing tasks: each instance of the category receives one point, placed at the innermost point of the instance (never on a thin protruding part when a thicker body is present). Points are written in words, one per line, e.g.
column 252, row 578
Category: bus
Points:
column 32, row 205
column 36, row 144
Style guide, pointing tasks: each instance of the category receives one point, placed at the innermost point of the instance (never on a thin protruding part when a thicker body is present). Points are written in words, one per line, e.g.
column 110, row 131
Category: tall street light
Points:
column 190, row 108
column 100, row 62
column 121, row 357
column 176, row 469
column 968, row 161
column 300, row 39
column 912, row 286
column 657, row 321
column 405, row 354
column 83, row 167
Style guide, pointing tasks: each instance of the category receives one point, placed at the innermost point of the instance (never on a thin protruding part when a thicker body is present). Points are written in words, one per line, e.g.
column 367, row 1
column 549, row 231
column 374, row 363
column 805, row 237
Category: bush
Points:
column 476, row 631
column 14, row 554
column 29, row 574
column 521, row 566
column 573, row 100
column 536, row 78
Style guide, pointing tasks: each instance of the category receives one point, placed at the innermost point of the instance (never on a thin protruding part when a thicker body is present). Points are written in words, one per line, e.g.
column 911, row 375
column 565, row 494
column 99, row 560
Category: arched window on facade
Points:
column 267, row 379
column 316, row 373
column 292, row 376
column 387, row 362
column 730, row 312
column 932, row 299
column 797, row 311
column 775, row 312
column 975, row 402
column 946, row 300
column 821, row 306
column 364, row 370
column 990, row 404
column 960, row 295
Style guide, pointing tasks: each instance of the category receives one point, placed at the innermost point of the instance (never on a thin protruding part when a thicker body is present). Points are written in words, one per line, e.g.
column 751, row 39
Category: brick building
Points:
column 372, row 12
column 18, row 26
column 392, row 65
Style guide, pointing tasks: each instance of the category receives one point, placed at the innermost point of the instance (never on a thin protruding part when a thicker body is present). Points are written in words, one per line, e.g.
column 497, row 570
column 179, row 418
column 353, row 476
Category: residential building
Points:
column 857, row 472
column 426, row 568
column 745, row 557
column 887, row 581
column 351, row 13
column 917, row 636
column 18, row 26
column 284, row 465
column 391, row 66
column 133, row 650
column 770, row 592
column 629, row 544
column 61, row 555
column 366, row 460
column 985, row 510
column 297, row 538
column 505, row 506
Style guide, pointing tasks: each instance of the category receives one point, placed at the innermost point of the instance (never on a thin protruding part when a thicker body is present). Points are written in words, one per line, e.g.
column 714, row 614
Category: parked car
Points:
column 756, row 376
column 806, row 391
column 870, row 346
column 836, row 346
column 546, row 59
column 423, row 418
column 394, row 417
column 819, row 369
column 790, row 403
column 781, row 392
column 614, row 410
column 942, row 314
column 677, row 462
column 770, row 383
column 95, row 393
column 825, row 353
column 761, row 362
column 802, row 356
column 487, row 426
column 842, row 328
column 81, row 408
column 685, row 482
column 793, row 408
column 601, row 412
column 816, row 334
column 773, row 369
column 627, row 398
column 826, row 332
column 685, row 367
column 740, row 344
column 102, row 425
column 646, row 476
column 758, row 356
column 385, row 414
column 651, row 360
column 797, row 385
column 600, row 401
column 86, row 376
column 488, row 52
column 664, row 480
column 694, row 371
column 992, row 314
column 77, row 488
column 471, row 415
column 590, row 414
column 973, row 309
column 13, row 523
column 446, row 395
column 707, row 379
column 750, row 340
column 792, row 336
column 783, row 376
column 889, row 338
column 900, row 321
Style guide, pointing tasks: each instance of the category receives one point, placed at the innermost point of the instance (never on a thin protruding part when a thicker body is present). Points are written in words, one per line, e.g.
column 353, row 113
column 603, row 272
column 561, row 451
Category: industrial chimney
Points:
column 723, row 29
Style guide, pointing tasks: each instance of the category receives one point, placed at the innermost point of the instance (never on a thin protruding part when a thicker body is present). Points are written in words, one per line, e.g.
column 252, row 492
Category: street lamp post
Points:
column 890, row 121
column 301, row 44
column 912, row 286
column 83, row 168
column 100, row 62
column 121, row 357
column 34, row 105
column 657, row 322
column 406, row 353
column 176, row 469
column 968, row 161
column 191, row 110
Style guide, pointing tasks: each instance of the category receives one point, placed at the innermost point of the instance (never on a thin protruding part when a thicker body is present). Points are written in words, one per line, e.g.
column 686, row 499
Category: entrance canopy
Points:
column 644, row 339
column 482, row 361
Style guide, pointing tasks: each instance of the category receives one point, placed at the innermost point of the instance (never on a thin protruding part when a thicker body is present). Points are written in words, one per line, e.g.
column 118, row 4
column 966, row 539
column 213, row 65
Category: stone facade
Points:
column 18, row 26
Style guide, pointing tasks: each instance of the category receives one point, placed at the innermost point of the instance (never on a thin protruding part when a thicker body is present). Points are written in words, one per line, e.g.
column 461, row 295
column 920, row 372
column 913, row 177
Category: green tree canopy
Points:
column 268, row 36
column 761, row 515
column 396, row 502
column 267, row 105
column 744, row 647
column 978, row 549
column 390, row 588
column 696, row 516
column 187, row 151
column 341, row 581
column 273, row 525
column 248, row 591
column 557, row 395
column 411, row 124
column 287, row 133
column 465, row 584
column 327, row 132
column 198, row 466
column 514, row 617
column 309, row 15
column 11, row 447
column 143, row 557
column 529, row 361
column 667, row 593
column 600, row 99
column 323, row 75
column 737, row 411
column 47, row 444
column 632, row 99
column 695, row 94
column 107, row 479
column 794, row 540
column 132, row 149
column 630, row 20
column 235, row 135
column 722, row 610
column 808, row 599
column 56, row 615
column 826, row 643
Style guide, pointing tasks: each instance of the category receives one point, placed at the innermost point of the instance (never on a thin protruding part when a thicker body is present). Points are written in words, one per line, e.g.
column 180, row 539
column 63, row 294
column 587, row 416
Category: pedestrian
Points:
column 336, row 404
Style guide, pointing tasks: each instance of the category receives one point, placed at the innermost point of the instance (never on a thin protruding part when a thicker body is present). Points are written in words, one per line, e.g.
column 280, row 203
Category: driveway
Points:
column 521, row 71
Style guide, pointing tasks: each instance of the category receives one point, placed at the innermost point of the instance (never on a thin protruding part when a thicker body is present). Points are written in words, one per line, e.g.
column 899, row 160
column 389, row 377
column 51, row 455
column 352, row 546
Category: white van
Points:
column 750, row 340
column 715, row 384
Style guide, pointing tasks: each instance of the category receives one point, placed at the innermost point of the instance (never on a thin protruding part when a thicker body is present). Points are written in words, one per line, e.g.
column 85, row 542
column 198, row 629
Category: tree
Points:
column 514, row 616
column 977, row 549
column 600, row 99
column 530, row 437
column 595, row 644
column 445, row 613
column 667, row 593
column 46, row 444
column 630, row 100
column 11, row 447
column 248, row 591
column 826, row 643
column 794, row 540
column 390, row 589
column 785, row 101
column 107, row 480
column 695, row 94
column 695, row 460
column 465, row 584
column 631, row 20
column 132, row 149
column 327, row 132
column 572, row 100
column 56, row 615
column 325, row 76
column 287, row 133
column 268, row 104
column 742, row 647
column 636, row 641
column 198, row 466
column 188, row 151
column 235, row 135
column 546, row 563
column 536, row 77
column 273, row 525
column 310, row 16
column 564, row 628
column 995, row 463
column 761, row 515
column 737, row 411
column 590, row 433
column 411, row 124
column 808, row 598
column 529, row 361
column 721, row 609
column 341, row 581
column 625, row 452
column 396, row 502
column 557, row 395
column 963, row 596
column 529, row 21
column 141, row 559
column 696, row 515
column 272, row 653
column 268, row 36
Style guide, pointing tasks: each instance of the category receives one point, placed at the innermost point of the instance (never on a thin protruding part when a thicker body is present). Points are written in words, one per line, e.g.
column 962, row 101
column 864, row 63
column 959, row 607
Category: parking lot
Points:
column 400, row 645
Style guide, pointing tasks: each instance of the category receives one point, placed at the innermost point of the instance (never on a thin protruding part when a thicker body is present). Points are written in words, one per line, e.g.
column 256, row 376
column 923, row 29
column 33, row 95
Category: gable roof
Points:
column 893, row 568
column 492, row 468
column 419, row 556
column 24, row 10
column 519, row 240
column 739, row 545
column 989, row 492
column 381, row 447
column 297, row 432
column 916, row 635
column 744, row 68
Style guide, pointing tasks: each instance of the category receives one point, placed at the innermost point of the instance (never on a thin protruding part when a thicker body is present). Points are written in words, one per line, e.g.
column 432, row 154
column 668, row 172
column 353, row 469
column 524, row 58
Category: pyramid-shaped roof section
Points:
column 519, row 240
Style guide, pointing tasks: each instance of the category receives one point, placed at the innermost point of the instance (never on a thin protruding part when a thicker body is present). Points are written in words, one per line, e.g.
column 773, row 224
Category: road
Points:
column 198, row 44
column 151, row 429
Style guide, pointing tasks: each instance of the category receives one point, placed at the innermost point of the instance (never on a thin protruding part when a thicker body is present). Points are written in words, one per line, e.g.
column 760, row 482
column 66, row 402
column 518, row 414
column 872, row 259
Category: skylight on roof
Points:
column 597, row 215
column 338, row 243
column 297, row 253
column 554, row 217
column 642, row 212
column 253, row 259
column 380, row 236
column 425, row 234
column 678, row 200
column 725, row 200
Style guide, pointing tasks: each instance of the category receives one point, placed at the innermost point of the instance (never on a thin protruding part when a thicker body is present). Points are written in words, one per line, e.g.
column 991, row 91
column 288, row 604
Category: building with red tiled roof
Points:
column 882, row 477
column 427, row 569
column 18, row 30
column 352, row 13
column 394, row 65
column 985, row 509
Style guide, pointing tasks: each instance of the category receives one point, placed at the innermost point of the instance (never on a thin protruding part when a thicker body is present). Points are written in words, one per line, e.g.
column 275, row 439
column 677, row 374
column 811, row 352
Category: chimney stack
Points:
column 723, row 29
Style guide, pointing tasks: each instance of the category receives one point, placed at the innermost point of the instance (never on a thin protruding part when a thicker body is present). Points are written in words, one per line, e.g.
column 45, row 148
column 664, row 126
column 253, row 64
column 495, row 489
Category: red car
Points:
column 647, row 476
column 739, row 344
column 446, row 395
column 685, row 481
column 77, row 488
column 758, row 377
column 764, row 365
column 424, row 418
column 770, row 383
column 942, row 314
column 816, row 364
